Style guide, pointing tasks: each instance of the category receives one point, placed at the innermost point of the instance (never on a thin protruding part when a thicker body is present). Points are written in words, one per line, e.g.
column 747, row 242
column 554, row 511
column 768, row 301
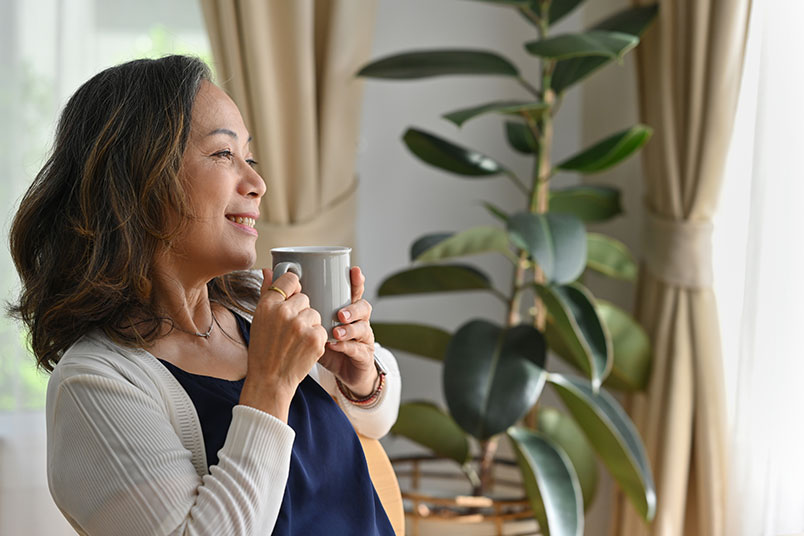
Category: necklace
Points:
column 204, row 335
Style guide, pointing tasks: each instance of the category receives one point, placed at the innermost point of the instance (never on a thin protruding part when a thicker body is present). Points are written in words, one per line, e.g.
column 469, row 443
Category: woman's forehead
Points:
column 214, row 112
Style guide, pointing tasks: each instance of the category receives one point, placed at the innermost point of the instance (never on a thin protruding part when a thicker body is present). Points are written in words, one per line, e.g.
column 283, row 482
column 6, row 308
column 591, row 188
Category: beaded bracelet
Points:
column 367, row 400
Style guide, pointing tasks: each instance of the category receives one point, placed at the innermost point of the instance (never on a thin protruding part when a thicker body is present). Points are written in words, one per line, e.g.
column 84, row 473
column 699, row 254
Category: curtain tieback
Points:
column 678, row 252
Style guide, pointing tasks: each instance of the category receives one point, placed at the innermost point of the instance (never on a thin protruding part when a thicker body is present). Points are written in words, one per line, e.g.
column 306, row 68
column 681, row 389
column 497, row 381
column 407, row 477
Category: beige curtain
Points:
column 289, row 65
column 689, row 67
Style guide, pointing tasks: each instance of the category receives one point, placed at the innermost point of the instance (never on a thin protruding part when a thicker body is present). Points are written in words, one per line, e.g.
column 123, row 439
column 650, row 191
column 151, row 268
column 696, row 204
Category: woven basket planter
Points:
column 439, row 502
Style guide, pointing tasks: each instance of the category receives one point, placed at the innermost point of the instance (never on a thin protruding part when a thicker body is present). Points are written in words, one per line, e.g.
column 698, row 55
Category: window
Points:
column 51, row 47
column 758, row 262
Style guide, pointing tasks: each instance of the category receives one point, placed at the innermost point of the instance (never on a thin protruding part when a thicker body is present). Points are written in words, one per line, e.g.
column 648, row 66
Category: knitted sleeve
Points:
column 116, row 465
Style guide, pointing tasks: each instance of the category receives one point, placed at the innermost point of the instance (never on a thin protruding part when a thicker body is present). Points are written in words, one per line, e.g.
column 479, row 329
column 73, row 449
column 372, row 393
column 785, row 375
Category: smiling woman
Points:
column 106, row 244
column 186, row 393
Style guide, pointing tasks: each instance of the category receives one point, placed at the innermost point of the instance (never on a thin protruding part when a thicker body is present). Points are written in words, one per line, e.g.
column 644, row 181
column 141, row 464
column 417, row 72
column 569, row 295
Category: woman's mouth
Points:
column 244, row 222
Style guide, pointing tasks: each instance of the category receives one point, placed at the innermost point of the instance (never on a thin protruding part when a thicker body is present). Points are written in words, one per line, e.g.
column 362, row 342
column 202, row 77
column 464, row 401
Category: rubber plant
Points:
column 494, row 374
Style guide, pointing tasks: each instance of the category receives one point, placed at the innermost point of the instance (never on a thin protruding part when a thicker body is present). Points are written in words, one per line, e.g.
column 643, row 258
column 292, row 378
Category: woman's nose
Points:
column 253, row 183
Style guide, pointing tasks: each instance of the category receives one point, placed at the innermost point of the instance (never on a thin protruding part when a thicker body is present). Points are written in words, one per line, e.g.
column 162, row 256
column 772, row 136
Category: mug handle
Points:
column 285, row 267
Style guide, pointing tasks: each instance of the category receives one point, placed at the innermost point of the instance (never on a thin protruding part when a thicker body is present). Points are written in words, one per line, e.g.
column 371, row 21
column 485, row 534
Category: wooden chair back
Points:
column 385, row 482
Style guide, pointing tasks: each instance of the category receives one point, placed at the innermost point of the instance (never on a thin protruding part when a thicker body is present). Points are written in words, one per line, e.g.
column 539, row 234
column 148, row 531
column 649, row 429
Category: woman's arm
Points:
column 117, row 466
column 376, row 421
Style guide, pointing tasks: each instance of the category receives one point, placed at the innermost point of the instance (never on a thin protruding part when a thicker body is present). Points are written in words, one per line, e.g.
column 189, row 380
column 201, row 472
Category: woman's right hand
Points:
column 287, row 339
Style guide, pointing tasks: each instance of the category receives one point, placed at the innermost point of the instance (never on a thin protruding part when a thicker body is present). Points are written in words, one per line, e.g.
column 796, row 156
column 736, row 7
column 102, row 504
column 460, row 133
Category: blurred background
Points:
column 50, row 47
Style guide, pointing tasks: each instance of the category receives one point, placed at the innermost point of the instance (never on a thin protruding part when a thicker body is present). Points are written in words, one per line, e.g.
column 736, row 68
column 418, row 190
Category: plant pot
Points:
column 438, row 500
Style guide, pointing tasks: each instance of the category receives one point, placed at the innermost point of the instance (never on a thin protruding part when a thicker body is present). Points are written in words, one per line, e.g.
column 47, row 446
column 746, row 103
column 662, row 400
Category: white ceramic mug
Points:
column 324, row 275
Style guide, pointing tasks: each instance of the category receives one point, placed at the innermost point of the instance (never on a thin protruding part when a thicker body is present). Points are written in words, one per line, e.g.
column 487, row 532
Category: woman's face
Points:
column 223, row 189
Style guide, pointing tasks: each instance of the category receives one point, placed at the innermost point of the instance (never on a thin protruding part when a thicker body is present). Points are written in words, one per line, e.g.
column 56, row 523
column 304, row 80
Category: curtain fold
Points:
column 689, row 67
column 290, row 68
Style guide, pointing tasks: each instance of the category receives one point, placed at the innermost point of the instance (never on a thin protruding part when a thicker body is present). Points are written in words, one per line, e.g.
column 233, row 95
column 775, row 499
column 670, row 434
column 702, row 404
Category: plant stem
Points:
column 542, row 170
column 514, row 316
column 540, row 201
column 488, row 450
column 540, row 192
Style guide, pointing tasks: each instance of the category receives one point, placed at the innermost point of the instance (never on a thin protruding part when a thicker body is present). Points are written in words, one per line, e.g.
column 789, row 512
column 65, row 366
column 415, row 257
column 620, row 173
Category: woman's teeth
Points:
column 242, row 221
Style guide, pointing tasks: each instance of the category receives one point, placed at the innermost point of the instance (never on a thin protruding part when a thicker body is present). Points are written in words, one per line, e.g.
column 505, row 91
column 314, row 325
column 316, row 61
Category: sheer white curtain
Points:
column 49, row 48
column 759, row 264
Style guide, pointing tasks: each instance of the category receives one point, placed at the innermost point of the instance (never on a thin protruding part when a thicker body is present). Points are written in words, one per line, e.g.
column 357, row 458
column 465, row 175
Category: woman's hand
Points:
column 287, row 339
column 351, row 357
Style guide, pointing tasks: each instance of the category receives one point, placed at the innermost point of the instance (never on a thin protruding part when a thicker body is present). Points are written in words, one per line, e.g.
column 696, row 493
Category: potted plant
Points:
column 494, row 374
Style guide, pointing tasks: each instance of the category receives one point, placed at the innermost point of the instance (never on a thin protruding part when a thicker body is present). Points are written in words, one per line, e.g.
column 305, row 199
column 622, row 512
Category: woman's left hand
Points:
column 351, row 357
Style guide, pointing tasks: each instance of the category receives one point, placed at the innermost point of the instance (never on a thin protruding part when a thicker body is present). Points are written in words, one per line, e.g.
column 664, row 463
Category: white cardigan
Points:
column 126, row 453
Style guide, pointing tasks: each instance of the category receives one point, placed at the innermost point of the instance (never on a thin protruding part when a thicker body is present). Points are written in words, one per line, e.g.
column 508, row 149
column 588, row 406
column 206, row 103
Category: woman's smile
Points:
column 244, row 222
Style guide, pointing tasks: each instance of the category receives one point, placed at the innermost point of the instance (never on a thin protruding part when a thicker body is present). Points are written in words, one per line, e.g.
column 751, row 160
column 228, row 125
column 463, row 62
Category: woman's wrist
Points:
column 364, row 388
column 366, row 397
column 270, row 398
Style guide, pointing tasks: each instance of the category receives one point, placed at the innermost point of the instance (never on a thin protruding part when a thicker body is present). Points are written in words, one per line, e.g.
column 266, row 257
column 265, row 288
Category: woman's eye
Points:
column 226, row 153
column 229, row 155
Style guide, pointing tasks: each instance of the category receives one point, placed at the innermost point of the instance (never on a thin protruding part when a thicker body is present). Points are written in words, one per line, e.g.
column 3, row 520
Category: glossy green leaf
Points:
column 532, row 109
column 557, row 344
column 556, row 241
column 608, row 152
column 438, row 278
column 450, row 157
column 428, row 425
column 424, row 341
column 565, row 432
column 425, row 242
column 631, row 21
column 572, row 310
column 492, row 376
column 589, row 203
column 631, row 348
column 551, row 483
column 568, row 72
column 497, row 212
column 531, row 486
column 470, row 242
column 613, row 436
column 520, row 137
column 561, row 8
column 609, row 257
column 427, row 63
column 609, row 45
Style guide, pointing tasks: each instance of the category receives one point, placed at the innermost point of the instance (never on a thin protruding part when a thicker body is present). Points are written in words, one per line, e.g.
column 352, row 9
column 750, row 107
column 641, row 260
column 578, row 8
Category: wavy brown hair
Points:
column 89, row 226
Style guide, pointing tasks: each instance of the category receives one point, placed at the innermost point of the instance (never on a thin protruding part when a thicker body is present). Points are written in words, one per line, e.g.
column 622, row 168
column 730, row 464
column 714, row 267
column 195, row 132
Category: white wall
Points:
column 402, row 199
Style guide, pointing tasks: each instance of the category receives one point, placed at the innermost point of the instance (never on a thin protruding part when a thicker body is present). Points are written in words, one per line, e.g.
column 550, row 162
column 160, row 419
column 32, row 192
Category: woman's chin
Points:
column 247, row 262
column 243, row 260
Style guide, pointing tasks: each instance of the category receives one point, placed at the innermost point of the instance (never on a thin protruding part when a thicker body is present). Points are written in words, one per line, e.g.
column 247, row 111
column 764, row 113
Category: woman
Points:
column 179, row 399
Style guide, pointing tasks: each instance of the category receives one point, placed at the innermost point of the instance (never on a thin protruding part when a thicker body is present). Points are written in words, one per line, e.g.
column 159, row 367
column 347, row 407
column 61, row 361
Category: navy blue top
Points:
column 329, row 490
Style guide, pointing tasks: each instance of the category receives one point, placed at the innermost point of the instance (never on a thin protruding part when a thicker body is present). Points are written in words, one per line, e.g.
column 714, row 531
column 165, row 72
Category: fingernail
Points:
column 346, row 315
column 340, row 332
